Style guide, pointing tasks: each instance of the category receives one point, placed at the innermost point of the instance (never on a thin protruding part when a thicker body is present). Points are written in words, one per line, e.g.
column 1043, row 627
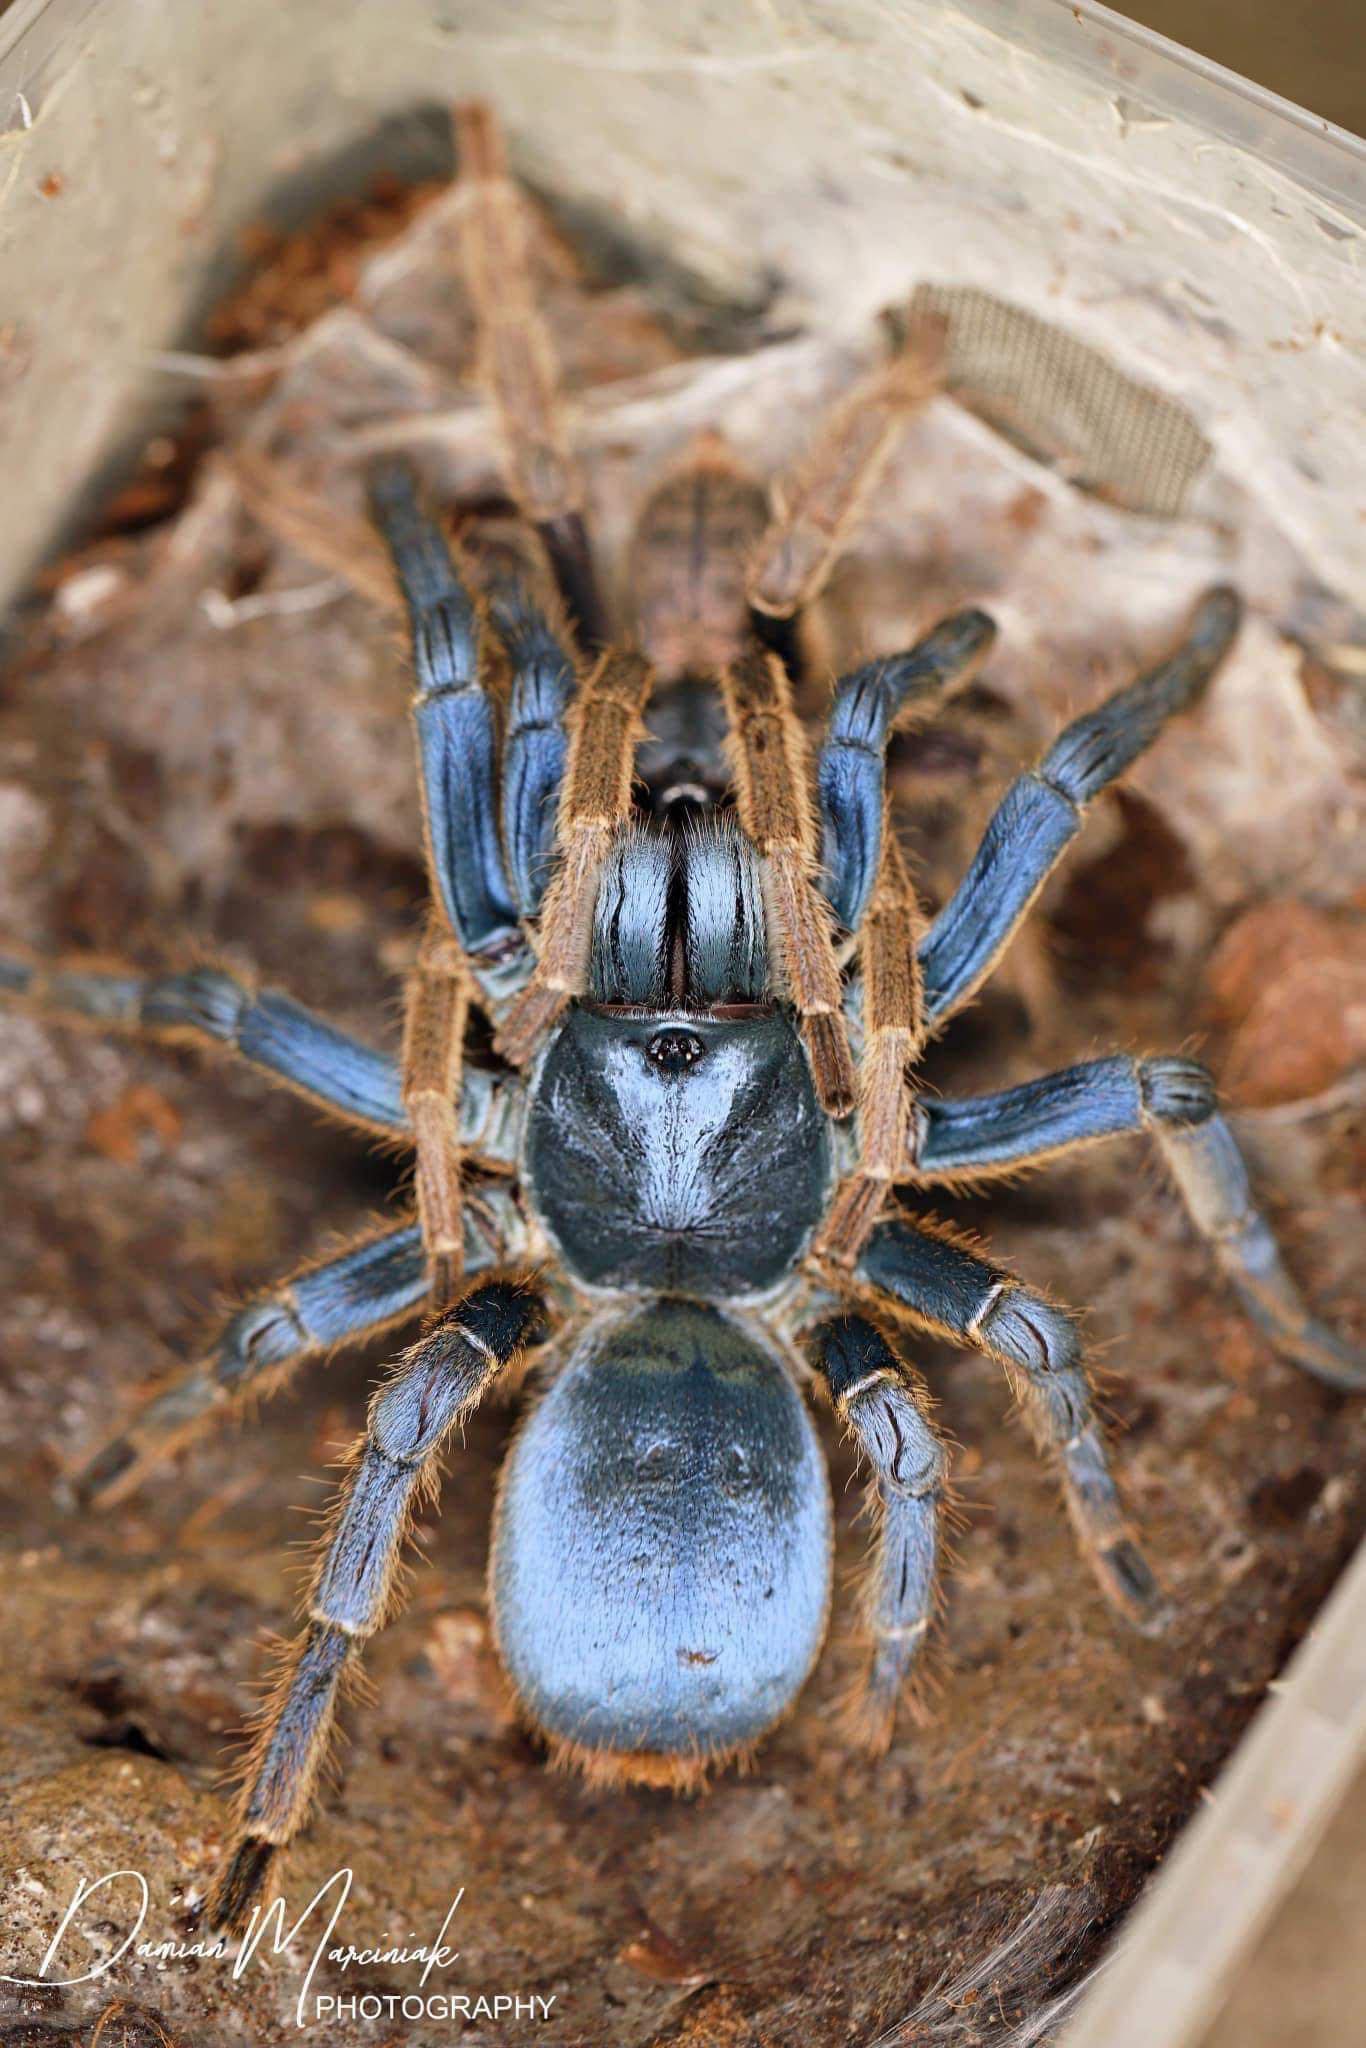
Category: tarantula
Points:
column 709, row 989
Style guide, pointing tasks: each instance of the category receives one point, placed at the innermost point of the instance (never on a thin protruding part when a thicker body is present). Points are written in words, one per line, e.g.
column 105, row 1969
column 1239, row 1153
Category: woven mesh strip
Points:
column 1065, row 403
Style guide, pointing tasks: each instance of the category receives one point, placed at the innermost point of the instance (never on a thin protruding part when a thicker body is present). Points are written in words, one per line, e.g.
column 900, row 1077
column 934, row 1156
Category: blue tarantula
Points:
column 709, row 993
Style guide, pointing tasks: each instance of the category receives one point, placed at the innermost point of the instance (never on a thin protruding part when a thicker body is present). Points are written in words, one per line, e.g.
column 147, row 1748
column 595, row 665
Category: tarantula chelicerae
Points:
column 709, row 990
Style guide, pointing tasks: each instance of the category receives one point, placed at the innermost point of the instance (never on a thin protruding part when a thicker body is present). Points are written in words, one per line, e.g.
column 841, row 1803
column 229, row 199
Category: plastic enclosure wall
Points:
column 1203, row 233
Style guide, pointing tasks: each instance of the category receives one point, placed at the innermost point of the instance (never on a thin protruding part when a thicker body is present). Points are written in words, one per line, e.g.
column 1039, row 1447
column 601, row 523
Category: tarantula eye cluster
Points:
column 630, row 903
column 675, row 1051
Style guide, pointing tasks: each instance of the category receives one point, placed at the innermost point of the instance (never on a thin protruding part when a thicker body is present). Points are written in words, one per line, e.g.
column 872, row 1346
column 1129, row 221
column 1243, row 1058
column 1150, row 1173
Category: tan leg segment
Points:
column 433, row 1051
column 329, row 539
column 769, row 762
column 893, row 1035
column 516, row 360
column 817, row 507
column 595, row 801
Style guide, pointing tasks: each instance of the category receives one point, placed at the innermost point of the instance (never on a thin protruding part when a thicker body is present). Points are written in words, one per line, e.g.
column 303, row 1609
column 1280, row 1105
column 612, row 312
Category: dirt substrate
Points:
column 203, row 744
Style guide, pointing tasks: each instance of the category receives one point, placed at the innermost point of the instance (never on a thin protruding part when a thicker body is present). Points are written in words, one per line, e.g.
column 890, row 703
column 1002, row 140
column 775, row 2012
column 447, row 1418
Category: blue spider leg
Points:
column 537, row 744
column 271, row 1032
column 453, row 714
column 942, row 1286
column 454, row 719
column 886, row 1411
column 1174, row 1099
column 850, row 774
column 376, row 1282
column 1041, row 813
column 209, row 1007
column 1208, row 1168
column 432, row 1389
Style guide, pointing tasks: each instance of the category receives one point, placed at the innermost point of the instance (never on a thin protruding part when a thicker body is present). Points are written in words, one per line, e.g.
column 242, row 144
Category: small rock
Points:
column 1286, row 990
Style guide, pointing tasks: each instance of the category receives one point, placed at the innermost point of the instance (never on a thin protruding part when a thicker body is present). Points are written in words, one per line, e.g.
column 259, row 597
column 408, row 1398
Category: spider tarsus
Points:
column 1313, row 1347
column 779, row 634
column 97, row 1483
column 1219, row 612
column 238, row 1885
column 1131, row 1586
column 866, row 1720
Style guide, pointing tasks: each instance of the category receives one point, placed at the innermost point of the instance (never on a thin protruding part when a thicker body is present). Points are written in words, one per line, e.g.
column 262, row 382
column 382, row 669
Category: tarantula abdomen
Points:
column 660, row 1571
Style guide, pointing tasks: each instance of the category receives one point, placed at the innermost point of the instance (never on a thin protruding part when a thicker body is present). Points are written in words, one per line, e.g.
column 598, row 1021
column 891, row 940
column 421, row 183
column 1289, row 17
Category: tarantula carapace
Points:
column 708, row 980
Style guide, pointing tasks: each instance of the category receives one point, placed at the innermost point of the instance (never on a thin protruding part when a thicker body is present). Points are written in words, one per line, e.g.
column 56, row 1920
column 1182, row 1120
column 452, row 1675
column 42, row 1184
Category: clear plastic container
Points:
column 1205, row 235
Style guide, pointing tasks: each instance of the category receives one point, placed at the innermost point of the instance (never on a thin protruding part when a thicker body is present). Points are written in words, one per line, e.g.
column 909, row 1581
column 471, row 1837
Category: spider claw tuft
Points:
column 1318, row 1350
column 98, row 1482
column 238, row 1885
column 1130, row 1585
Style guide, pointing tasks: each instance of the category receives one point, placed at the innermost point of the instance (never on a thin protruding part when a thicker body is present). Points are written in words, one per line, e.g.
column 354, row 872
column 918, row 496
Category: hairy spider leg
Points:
column 868, row 705
column 537, row 650
column 967, row 1140
column 1042, row 812
column 343, row 1298
column 768, row 754
column 518, row 368
column 455, row 725
column 209, row 1007
column 289, row 1044
column 865, row 879
column 1208, row 1168
column 893, row 1033
column 331, row 540
column 346, row 1298
column 817, row 506
column 944, row 1287
column 454, row 719
column 436, row 1011
column 355, row 1590
column 606, row 722
column 887, row 1411
column 536, row 740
